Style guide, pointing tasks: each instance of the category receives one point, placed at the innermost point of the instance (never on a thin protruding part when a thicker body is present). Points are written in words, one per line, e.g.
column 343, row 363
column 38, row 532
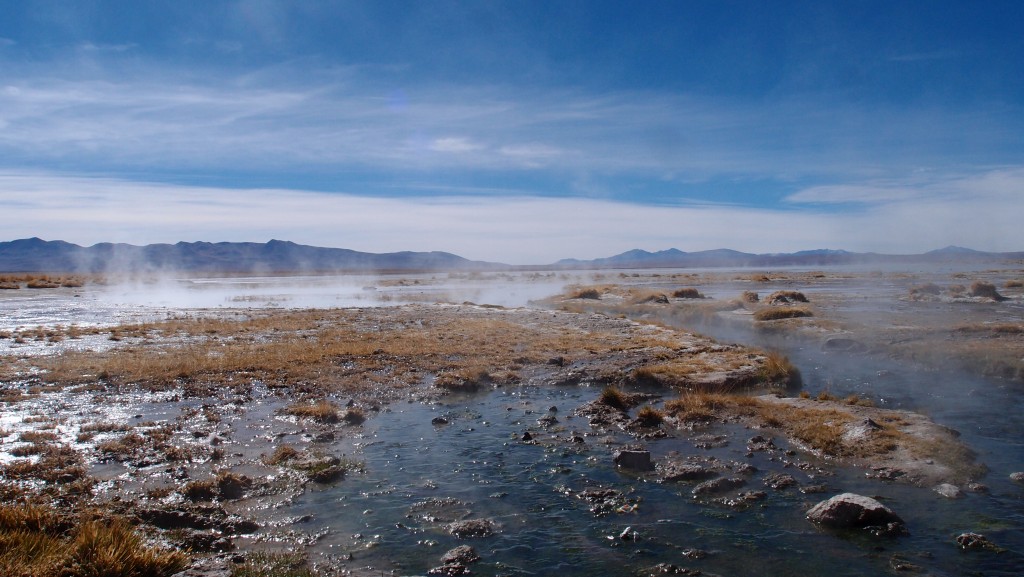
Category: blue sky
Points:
column 520, row 132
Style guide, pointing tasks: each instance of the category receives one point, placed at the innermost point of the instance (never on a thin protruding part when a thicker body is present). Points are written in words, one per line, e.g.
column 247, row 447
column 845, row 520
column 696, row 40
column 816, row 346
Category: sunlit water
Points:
column 479, row 462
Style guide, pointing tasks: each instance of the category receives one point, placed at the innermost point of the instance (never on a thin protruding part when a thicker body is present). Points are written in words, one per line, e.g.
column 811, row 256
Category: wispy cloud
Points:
column 91, row 47
column 512, row 229
column 330, row 119
column 991, row 186
column 454, row 144
column 925, row 56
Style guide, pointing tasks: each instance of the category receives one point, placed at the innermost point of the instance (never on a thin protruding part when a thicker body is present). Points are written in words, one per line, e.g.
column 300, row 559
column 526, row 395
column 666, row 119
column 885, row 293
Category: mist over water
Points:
column 155, row 297
column 478, row 460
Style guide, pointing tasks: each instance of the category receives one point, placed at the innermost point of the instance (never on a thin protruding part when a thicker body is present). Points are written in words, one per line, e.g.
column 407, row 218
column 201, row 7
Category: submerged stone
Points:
column 719, row 485
column 949, row 491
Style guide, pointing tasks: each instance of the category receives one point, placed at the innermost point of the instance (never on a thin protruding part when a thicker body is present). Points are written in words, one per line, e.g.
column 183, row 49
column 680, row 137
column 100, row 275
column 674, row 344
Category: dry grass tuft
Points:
column 122, row 448
column 783, row 297
column 749, row 297
column 687, row 293
column 641, row 297
column 322, row 411
column 226, row 486
column 855, row 400
column 586, row 293
column 648, row 416
column 282, row 454
column 55, row 465
column 985, row 290
column 777, row 368
column 467, row 379
column 614, row 398
column 37, row 436
column 1013, row 283
column 774, row 314
column 38, row 542
column 925, row 290
column 354, row 416
column 694, row 407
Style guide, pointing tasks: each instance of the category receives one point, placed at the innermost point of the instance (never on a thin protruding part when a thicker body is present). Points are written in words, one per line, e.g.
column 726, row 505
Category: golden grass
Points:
column 672, row 374
column 687, row 293
column 586, row 293
column 56, row 464
column 927, row 289
column 38, row 542
column 226, row 485
column 774, row 314
column 336, row 350
column 986, row 290
column 321, row 411
column 645, row 296
column 997, row 329
column 122, row 448
column 614, row 398
column 777, row 368
column 700, row 406
column 648, row 416
column 282, row 454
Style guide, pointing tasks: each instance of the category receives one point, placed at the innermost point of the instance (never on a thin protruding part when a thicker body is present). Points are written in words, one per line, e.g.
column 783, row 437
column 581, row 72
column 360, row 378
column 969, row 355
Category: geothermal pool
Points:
column 419, row 476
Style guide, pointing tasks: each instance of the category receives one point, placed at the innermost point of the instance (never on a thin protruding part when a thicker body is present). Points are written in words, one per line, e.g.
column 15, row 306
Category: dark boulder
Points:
column 472, row 528
column 682, row 472
column 463, row 554
column 634, row 460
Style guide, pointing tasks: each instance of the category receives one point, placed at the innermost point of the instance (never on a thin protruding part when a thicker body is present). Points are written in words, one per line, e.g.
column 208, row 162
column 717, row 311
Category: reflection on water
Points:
column 95, row 305
column 477, row 466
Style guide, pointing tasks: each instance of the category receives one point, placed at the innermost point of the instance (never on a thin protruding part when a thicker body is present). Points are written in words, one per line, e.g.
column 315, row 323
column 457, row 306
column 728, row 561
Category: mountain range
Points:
column 674, row 258
column 276, row 256
column 37, row 255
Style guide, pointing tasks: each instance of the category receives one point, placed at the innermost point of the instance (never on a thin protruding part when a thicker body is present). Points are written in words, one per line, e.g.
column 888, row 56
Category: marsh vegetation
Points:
column 195, row 433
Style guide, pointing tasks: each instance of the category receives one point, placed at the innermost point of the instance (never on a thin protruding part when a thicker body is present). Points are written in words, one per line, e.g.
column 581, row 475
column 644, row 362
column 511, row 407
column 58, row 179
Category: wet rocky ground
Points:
column 221, row 463
column 224, row 458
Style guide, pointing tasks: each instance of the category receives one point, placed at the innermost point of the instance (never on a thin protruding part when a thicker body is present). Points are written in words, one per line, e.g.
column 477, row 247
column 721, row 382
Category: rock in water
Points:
column 634, row 460
column 949, row 491
column 975, row 541
column 463, row 554
column 849, row 510
column 472, row 528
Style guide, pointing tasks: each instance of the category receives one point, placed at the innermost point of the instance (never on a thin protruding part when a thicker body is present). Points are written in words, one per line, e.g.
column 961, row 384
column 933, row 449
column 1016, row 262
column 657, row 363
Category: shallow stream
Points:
column 419, row 477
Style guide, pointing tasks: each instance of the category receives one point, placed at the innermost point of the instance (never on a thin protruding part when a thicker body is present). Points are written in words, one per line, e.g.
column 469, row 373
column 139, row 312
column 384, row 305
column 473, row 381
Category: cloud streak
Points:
column 486, row 135
column 273, row 120
column 511, row 229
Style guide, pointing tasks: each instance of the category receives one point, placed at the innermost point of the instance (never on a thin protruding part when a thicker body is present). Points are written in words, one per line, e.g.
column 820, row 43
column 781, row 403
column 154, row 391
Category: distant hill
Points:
column 674, row 258
column 37, row 255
